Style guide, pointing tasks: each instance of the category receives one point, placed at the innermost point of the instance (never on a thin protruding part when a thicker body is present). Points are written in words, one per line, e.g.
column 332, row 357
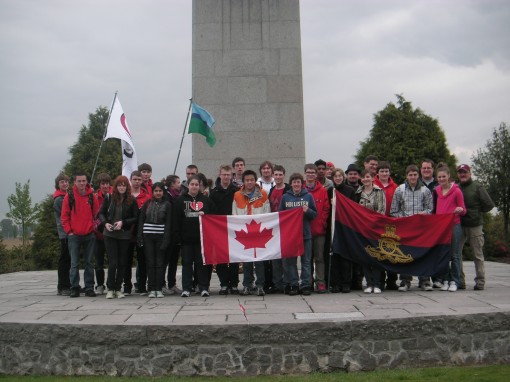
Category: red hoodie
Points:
column 79, row 221
column 142, row 197
column 389, row 190
column 320, row 196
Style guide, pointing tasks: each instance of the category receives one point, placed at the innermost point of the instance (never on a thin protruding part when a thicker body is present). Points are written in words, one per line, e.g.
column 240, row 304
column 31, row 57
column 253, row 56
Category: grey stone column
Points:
column 247, row 73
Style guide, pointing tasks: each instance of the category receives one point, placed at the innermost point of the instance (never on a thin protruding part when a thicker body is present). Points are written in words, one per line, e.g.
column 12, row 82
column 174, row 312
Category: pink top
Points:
column 451, row 200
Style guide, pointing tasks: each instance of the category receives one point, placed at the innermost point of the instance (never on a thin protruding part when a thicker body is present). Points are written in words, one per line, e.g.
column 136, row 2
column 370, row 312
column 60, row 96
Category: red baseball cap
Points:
column 463, row 167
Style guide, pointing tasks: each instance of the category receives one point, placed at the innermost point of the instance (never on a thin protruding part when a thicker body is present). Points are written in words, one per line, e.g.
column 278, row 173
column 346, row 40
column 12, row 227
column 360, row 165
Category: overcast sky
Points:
column 60, row 60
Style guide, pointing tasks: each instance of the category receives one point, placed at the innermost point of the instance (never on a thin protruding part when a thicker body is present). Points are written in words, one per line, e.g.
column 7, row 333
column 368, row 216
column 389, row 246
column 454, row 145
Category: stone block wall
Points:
column 254, row 349
column 247, row 72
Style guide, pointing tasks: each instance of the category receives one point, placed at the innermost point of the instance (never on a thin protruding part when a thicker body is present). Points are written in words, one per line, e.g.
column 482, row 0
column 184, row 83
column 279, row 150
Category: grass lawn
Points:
column 451, row 374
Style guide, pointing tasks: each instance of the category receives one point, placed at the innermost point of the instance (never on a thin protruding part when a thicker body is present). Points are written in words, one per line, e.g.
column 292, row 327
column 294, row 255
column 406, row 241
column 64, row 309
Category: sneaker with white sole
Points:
column 185, row 293
column 223, row 291
column 152, row 294
column 368, row 290
column 110, row 294
column 99, row 289
column 204, row 293
column 452, row 287
column 438, row 284
column 246, row 291
column 377, row 290
column 404, row 288
column 167, row 291
column 159, row 294
column 119, row 294
column 445, row 287
column 426, row 286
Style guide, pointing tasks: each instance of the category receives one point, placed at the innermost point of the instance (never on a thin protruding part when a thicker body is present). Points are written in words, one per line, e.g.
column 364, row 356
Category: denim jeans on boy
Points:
column 88, row 243
column 290, row 268
column 259, row 272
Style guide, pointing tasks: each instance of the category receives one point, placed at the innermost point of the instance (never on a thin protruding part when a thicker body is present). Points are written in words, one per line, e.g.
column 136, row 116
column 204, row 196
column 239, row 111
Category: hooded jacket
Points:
column 79, row 220
column 185, row 221
column 257, row 204
column 58, row 199
column 448, row 202
column 322, row 204
column 389, row 191
column 291, row 200
column 223, row 198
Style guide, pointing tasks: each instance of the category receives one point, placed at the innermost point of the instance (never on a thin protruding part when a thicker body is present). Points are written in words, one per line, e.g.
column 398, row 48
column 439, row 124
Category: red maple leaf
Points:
column 253, row 237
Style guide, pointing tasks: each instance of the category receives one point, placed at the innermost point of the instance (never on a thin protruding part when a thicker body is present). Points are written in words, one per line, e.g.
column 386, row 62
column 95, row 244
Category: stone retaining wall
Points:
column 254, row 349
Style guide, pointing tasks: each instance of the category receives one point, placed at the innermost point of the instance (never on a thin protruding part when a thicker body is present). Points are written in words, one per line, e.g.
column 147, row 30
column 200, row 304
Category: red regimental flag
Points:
column 233, row 239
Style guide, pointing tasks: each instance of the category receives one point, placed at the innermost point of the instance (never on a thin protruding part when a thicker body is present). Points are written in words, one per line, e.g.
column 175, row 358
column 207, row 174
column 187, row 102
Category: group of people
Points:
column 160, row 222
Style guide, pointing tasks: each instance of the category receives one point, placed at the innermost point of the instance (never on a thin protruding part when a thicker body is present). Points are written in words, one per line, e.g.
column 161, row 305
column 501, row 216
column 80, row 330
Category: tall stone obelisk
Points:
column 247, row 74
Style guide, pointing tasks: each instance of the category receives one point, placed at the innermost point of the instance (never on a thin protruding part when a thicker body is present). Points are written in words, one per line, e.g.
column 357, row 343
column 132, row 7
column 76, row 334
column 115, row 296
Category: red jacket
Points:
column 142, row 197
column 320, row 196
column 389, row 190
column 79, row 220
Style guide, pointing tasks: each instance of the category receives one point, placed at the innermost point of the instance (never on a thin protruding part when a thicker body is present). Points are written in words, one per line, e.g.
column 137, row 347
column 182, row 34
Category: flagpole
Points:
column 333, row 212
column 104, row 135
column 183, row 132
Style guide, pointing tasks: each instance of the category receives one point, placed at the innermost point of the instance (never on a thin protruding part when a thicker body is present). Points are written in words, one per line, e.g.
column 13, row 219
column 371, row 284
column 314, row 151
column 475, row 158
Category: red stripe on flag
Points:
column 417, row 230
column 291, row 232
column 214, row 239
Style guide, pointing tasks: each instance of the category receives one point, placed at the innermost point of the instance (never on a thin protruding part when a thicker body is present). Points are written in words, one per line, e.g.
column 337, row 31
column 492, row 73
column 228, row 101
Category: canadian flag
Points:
column 245, row 238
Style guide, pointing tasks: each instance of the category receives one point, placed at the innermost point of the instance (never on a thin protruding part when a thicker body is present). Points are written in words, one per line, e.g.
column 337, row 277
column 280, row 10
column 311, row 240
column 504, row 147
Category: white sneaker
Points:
column 119, row 294
column 99, row 289
column 426, row 286
column 110, row 295
column 377, row 291
column 185, row 293
column 453, row 287
column 159, row 294
column 152, row 294
column 167, row 291
column 445, row 286
column 368, row 290
column 204, row 293
column 404, row 288
column 438, row 284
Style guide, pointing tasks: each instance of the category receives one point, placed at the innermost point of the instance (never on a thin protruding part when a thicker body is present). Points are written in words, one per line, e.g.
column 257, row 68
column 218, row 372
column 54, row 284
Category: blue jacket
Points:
column 290, row 201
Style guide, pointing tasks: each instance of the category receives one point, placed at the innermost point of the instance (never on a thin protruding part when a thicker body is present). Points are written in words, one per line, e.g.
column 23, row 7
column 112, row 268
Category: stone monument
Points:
column 247, row 74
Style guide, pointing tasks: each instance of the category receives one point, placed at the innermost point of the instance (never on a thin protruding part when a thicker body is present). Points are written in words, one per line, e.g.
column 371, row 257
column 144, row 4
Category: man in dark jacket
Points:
column 223, row 195
column 477, row 201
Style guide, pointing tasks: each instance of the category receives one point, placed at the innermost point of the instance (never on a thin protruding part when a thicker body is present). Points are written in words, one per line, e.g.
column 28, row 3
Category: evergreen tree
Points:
column 46, row 246
column 84, row 151
column 21, row 209
column 402, row 136
column 491, row 166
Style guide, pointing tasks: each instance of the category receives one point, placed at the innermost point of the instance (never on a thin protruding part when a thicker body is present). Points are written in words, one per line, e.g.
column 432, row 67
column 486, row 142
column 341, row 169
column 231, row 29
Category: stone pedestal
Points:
column 247, row 73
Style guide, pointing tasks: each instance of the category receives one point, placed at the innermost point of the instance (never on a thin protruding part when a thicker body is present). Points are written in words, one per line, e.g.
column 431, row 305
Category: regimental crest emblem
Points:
column 388, row 248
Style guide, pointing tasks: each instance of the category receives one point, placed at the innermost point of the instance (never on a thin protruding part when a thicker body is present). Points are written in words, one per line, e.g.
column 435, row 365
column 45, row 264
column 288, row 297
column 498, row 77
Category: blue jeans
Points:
column 455, row 256
column 290, row 270
column 88, row 243
column 248, row 274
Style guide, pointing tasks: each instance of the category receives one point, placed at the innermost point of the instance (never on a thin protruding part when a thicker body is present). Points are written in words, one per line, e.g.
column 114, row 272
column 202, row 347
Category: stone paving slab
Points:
column 29, row 297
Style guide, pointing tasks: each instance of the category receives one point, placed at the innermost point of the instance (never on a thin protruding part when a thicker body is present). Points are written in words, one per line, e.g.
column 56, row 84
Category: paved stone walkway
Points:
column 30, row 297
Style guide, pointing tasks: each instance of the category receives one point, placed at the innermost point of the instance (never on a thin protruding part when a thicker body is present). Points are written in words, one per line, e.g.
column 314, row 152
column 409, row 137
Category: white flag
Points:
column 118, row 128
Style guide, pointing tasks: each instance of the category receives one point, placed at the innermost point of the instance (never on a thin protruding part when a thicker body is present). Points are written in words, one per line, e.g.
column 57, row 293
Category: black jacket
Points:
column 185, row 223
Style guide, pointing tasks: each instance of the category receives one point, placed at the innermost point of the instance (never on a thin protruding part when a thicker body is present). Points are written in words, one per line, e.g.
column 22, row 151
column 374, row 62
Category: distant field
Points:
column 9, row 243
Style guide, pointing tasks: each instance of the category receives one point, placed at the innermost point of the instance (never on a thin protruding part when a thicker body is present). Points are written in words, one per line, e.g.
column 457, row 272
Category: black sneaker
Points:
column 59, row 292
column 66, row 292
column 306, row 291
column 223, row 291
column 478, row 287
column 233, row 290
column 346, row 289
column 292, row 291
column 75, row 292
column 90, row 293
